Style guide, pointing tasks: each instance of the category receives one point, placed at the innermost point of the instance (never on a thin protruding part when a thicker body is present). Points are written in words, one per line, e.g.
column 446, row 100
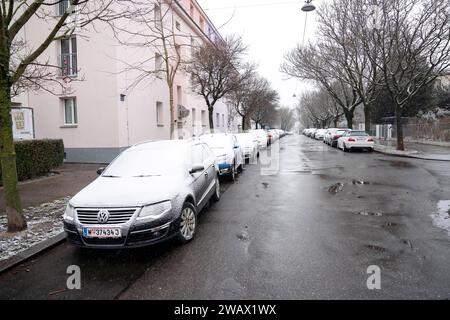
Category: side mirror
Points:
column 236, row 146
column 100, row 170
column 196, row 168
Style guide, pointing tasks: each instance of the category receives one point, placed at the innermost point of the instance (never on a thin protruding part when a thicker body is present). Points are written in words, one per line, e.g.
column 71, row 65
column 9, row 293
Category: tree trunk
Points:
column 349, row 116
column 398, row 119
column 211, row 119
column 367, row 118
column 335, row 121
column 243, row 124
column 16, row 220
column 172, row 112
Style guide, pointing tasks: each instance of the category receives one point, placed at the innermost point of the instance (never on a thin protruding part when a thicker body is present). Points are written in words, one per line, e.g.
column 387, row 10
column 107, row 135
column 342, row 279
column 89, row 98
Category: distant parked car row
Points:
column 153, row 191
column 345, row 139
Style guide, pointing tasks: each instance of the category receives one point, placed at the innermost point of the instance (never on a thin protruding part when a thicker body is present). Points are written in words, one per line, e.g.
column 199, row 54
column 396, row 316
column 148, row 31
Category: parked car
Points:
column 319, row 134
column 356, row 140
column 249, row 146
column 149, row 193
column 229, row 157
column 261, row 136
column 333, row 135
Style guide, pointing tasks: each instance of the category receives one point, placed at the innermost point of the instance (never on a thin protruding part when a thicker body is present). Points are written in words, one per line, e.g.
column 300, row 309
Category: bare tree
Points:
column 287, row 118
column 216, row 69
column 21, row 70
column 316, row 64
column 318, row 108
column 150, row 27
column 414, row 49
column 264, row 103
column 345, row 34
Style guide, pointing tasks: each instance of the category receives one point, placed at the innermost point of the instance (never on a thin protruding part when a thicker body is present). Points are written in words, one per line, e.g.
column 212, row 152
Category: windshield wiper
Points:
column 109, row 176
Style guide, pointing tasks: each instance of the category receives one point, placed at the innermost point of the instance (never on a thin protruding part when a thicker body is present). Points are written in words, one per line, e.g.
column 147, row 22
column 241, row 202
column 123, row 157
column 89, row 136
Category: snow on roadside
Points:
column 441, row 219
column 44, row 221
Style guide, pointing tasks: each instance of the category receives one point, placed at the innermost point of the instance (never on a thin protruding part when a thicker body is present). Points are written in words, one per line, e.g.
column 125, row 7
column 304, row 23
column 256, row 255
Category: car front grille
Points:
column 116, row 216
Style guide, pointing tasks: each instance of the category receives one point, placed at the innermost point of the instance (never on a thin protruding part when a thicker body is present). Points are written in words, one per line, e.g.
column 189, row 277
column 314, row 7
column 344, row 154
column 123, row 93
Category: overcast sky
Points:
column 270, row 28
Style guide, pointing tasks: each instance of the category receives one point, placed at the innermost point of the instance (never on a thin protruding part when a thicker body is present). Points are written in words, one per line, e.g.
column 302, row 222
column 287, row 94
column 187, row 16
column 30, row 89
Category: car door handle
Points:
column 206, row 173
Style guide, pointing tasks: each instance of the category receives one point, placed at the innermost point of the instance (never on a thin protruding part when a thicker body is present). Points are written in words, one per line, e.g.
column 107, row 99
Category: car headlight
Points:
column 154, row 211
column 69, row 214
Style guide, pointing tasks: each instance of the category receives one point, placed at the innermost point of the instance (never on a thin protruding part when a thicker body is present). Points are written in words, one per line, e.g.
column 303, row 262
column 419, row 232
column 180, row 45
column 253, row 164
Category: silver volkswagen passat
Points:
column 149, row 193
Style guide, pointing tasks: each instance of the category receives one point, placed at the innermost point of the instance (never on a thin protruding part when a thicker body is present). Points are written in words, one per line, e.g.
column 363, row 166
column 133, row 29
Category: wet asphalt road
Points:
column 280, row 234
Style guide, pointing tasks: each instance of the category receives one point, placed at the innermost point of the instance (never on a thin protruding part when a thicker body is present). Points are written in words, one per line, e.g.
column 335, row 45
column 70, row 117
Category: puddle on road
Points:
column 398, row 163
column 441, row 219
column 335, row 188
column 360, row 182
column 372, row 214
column 375, row 248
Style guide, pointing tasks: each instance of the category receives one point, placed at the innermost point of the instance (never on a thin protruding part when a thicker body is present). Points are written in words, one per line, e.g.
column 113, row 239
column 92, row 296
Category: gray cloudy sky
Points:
column 270, row 28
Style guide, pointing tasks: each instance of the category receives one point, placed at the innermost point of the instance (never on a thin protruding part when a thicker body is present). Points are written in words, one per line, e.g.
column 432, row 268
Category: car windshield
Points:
column 341, row 132
column 358, row 133
column 148, row 162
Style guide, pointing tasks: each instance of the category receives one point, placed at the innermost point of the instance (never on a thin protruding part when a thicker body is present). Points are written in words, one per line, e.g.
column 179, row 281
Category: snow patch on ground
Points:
column 441, row 219
column 44, row 221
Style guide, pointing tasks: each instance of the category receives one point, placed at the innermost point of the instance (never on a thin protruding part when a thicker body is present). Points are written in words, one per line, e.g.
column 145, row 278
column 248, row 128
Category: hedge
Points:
column 37, row 157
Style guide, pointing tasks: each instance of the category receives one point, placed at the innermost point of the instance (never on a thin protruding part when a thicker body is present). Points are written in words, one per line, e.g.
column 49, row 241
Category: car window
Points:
column 358, row 133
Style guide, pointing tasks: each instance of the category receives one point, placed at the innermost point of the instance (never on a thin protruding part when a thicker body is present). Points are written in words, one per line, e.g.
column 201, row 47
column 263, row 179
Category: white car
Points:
column 229, row 157
column 261, row 136
column 249, row 146
column 355, row 140
column 320, row 134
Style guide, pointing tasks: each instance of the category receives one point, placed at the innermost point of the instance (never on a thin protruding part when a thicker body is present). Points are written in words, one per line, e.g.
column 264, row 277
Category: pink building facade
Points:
column 96, row 112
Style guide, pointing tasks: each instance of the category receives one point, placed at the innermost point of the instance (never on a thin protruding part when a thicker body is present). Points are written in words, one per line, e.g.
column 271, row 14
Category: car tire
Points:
column 188, row 223
column 370, row 150
column 344, row 148
column 216, row 196
column 232, row 174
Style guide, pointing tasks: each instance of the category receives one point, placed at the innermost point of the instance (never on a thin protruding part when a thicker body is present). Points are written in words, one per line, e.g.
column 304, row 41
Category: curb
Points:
column 31, row 252
column 411, row 156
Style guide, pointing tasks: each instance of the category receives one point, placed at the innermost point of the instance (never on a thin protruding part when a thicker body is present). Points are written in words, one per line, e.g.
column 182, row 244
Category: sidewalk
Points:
column 44, row 201
column 414, row 150
column 72, row 178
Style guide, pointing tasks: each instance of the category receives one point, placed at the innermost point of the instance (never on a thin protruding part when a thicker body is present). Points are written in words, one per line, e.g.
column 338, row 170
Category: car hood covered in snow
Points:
column 127, row 192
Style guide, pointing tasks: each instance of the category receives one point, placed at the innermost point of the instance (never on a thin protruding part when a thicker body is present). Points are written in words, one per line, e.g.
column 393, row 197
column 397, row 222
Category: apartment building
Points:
column 97, row 111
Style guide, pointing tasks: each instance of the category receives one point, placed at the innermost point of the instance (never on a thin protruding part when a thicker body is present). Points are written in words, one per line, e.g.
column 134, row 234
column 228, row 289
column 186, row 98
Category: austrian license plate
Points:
column 361, row 139
column 101, row 232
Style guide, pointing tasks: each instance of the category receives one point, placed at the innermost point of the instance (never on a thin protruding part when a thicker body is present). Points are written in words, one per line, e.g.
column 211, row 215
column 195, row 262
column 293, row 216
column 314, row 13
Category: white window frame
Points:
column 59, row 6
column 73, row 111
column 71, row 68
column 159, row 114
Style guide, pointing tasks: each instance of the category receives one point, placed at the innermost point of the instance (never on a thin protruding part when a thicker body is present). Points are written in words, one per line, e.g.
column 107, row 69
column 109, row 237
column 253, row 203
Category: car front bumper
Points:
column 134, row 233
column 224, row 168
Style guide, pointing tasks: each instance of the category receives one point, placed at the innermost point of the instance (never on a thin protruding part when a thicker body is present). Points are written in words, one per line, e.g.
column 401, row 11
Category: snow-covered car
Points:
column 355, row 140
column 149, row 193
column 333, row 139
column 249, row 146
column 319, row 134
column 229, row 157
column 261, row 136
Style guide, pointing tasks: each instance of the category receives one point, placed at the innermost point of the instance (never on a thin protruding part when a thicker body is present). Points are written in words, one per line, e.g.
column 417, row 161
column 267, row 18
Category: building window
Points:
column 159, row 114
column 69, row 57
column 180, row 95
column 203, row 118
column 70, row 111
column 217, row 119
column 63, row 5
column 223, row 120
column 202, row 24
column 194, row 117
column 178, row 25
column 157, row 17
column 158, row 64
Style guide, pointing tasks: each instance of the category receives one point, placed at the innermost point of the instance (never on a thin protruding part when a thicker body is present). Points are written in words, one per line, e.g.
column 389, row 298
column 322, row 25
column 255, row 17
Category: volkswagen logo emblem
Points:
column 103, row 216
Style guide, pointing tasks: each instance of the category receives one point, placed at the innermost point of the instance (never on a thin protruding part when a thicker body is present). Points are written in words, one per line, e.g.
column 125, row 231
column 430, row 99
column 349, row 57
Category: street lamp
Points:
column 308, row 6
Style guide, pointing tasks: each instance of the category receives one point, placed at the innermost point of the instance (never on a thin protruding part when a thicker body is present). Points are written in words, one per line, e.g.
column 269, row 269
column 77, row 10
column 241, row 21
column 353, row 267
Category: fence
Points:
column 438, row 130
